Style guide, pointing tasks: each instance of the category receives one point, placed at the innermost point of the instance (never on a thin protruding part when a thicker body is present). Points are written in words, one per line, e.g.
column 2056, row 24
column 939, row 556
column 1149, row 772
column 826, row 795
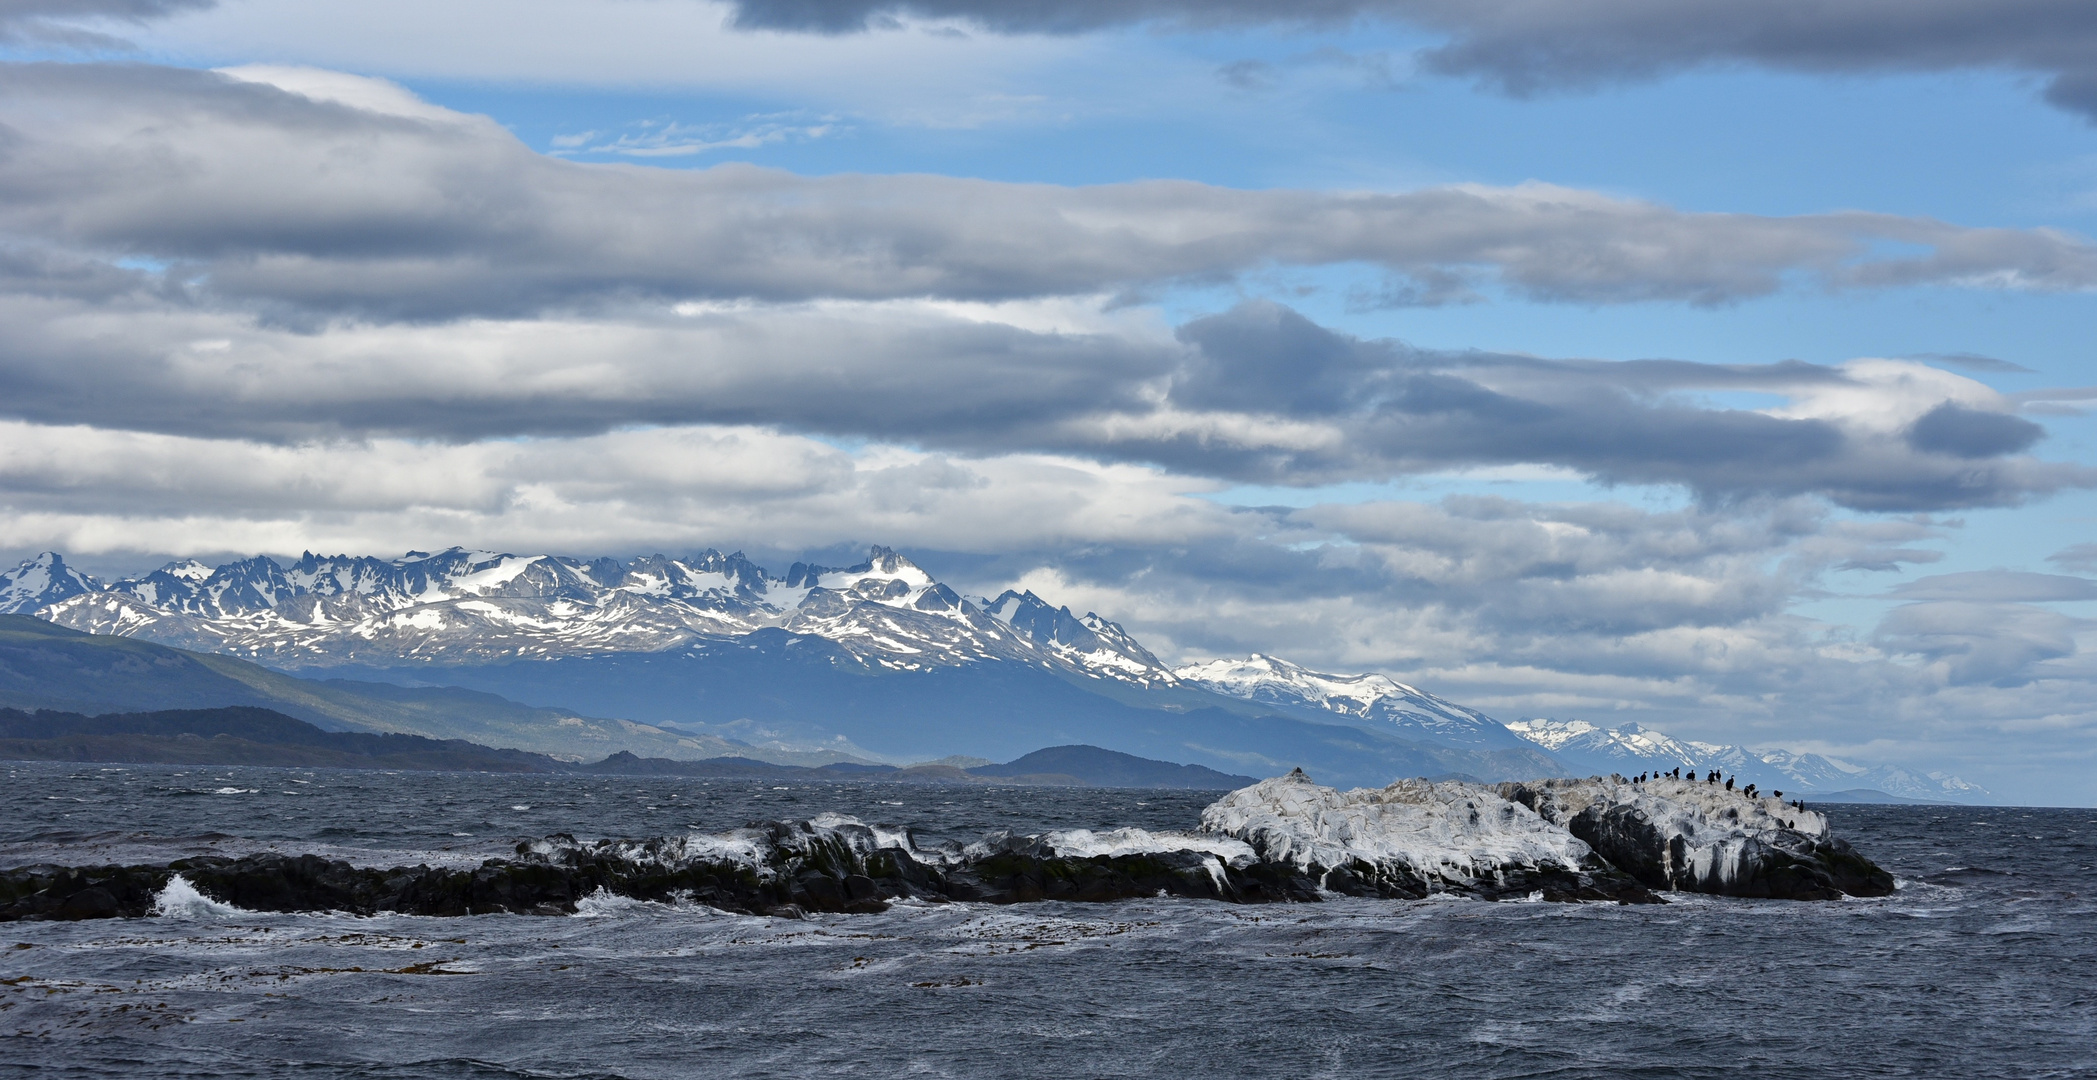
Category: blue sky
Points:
column 274, row 353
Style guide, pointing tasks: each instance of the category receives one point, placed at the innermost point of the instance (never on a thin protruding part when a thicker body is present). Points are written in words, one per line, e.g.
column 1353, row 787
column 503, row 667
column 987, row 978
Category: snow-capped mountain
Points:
column 1415, row 713
column 1633, row 749
column 714, row 640
column 877, row 655
column 466, row 607
column 40, row 582
column 1088, row 642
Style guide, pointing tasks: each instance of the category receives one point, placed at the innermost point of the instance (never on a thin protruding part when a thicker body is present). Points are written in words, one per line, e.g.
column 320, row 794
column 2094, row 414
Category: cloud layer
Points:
column 1256, row 394
column 1529, row 46
column 289, row 254
column 330, row 195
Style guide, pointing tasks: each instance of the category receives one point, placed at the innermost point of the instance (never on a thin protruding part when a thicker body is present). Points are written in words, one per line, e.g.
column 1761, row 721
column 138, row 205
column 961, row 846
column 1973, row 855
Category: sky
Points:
column 1721, row 368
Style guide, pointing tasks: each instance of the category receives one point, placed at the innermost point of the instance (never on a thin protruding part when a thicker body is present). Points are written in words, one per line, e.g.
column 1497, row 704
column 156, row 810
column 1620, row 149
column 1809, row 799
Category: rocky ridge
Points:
column 1378, row 698
column 462, row 607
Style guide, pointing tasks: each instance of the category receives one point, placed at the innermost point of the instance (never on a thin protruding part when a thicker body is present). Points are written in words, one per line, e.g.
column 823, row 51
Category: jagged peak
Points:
column 45, row 579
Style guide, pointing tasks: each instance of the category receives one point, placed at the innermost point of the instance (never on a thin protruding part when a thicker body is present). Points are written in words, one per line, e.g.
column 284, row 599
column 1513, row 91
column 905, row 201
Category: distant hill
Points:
column 1094, row 767
column 241, row 735
column 245, row 735
column 1870, row 795
column 44, row 666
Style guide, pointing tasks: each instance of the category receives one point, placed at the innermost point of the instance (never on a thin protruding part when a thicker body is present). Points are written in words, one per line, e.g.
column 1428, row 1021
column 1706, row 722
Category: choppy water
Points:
column 1984, row 963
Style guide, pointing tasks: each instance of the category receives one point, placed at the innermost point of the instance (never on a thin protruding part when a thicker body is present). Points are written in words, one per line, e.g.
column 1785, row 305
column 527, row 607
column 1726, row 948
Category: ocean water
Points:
column 1983, row 964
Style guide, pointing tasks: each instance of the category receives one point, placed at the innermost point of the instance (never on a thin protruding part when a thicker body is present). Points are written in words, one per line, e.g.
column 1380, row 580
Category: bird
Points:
column 1729, row 783
column 1776, row 794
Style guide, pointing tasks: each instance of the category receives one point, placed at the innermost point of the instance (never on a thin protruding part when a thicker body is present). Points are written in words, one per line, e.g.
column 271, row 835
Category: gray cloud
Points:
column 1997, row 586
column 389, row 208
column 1679, row 619
column 1255, row 394
column 504, row 293
column 862, row 372
column 54, row 22
column 2082, row 557
column 1247, row 74
column 1974, row 362
column 1530, row 46
column 1971, row 433
column 1406, row 410
column 1979, row 643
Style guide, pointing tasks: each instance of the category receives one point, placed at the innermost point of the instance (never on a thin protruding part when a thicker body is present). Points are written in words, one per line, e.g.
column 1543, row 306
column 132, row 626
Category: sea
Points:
column 1982, row 964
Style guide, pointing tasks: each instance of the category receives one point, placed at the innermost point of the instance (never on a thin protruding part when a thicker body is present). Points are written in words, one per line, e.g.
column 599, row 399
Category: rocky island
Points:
column 1285, row 839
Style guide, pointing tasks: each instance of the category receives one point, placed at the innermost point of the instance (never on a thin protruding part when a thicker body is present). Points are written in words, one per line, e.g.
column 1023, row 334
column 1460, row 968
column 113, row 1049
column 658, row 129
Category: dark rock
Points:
column 87, row 904
column 1745, row 850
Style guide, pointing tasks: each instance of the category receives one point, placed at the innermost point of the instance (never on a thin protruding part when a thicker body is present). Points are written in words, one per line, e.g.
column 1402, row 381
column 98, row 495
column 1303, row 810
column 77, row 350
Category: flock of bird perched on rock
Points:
column 1712, row 777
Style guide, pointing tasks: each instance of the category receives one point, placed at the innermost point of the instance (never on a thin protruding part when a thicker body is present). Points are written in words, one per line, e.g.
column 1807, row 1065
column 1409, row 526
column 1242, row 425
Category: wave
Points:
column 179, row 899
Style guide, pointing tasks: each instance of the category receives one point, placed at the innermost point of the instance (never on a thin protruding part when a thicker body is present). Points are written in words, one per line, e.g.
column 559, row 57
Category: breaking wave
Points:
column 179, row 899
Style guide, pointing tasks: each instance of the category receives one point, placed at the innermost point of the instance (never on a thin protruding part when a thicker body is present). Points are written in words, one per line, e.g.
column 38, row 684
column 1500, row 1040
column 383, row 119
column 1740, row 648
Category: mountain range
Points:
column 1632, row 749
column 869, row 662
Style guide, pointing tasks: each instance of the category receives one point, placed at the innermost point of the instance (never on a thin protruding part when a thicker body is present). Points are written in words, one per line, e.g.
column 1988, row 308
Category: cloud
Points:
column 1532, row 46
column 1872, row 434
column 315, row 195
column 1974, row 362
column 91, row 490
column 1247, row 74
column 1997, row 586
column 1978, row 643
column 292, row 254
column 2082, row 557
column 888, row 371
column 56, row 22
column 1971, row 433
column 1681, row 619
column 1254, row 394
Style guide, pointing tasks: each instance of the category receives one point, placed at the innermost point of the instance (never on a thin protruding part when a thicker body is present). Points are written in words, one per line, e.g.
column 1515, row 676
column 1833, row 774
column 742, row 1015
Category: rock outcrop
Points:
column 1694, row 836
column 831, row 864
column 1285, row 839
column 1415, row 838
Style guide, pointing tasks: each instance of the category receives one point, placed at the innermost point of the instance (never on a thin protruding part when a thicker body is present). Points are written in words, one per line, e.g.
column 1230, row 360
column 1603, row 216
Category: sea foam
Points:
column 178, row 899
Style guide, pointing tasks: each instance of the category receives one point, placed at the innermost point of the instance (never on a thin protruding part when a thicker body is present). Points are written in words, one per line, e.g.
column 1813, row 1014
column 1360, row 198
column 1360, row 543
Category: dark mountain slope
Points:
column 250, row 736
column 43, row 666
column 812, row 689
column 240, row 736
